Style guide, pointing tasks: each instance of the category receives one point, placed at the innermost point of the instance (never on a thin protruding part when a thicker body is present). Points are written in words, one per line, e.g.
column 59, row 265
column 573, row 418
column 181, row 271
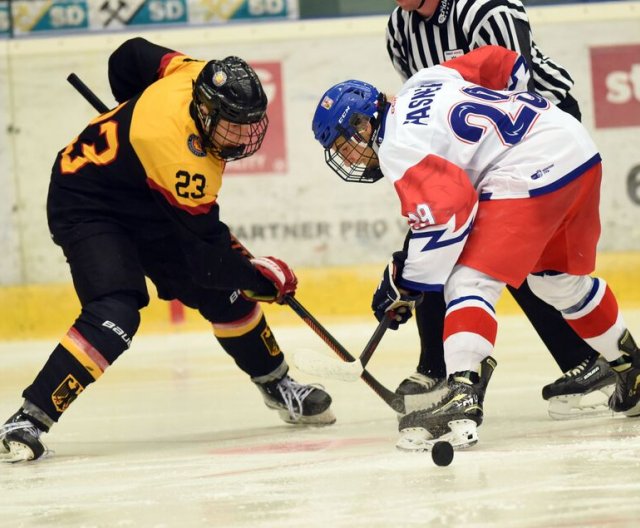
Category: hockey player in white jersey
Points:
column 499, row 186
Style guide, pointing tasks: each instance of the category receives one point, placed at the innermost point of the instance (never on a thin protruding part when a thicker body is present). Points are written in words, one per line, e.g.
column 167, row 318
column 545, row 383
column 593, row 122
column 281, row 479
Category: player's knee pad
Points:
column 465, row 282
column 109, row 323
column 224, row 306
column 561, row 290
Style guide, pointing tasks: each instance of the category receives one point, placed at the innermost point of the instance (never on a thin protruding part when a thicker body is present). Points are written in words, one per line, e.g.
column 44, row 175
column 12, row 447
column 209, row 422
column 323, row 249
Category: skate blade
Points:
column 326, row 417
column 578, row 406
column 19, row 452
column 462, row 434
column 634, row 411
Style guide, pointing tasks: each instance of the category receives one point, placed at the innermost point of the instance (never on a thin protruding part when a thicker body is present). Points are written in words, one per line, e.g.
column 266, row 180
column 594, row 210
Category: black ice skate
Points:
column 581, row 392
column 626, row 397
column 297, row 403
column 421, row 391
column 20, row 439
column 455, row 418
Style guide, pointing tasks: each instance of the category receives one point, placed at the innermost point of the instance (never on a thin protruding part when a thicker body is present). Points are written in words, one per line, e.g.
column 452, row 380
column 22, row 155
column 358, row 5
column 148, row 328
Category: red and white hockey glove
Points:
column 280, row 275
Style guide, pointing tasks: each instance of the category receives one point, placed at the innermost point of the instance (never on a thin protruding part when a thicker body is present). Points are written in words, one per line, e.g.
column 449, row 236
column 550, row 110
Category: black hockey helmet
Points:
column 230, row 90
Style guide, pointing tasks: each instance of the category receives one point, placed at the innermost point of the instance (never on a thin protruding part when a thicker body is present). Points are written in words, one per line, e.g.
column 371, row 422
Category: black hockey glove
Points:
column 389, row 297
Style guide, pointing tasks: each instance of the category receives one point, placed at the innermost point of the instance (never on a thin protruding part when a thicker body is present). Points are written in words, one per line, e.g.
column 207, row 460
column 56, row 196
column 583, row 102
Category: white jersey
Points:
column 447, row 143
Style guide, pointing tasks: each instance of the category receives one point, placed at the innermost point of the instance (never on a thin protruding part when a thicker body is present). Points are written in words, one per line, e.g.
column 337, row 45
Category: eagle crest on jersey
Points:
column 195, row 146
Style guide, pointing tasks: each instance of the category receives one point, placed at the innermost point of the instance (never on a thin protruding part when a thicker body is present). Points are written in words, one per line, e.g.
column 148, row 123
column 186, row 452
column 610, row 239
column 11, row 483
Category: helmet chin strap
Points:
column 228, row 152
column 421, row 4
column 197, row 118
column 376, row 122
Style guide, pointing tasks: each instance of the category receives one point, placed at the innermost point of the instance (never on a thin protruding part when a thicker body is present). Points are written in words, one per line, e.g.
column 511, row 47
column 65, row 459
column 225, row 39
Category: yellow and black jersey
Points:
column 141, row 167
column 166, row 141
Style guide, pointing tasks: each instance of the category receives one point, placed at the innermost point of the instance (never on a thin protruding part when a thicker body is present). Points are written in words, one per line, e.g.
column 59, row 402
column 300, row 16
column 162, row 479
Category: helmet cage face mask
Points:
column 353, row 158
column 345, row 112
column 230, row 109
column 232, row 141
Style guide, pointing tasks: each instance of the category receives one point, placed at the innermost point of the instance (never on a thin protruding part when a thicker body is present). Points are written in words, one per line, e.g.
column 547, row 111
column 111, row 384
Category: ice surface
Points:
column 175, row 435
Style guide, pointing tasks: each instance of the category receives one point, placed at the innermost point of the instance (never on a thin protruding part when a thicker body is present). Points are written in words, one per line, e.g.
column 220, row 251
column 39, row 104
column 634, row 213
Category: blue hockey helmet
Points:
column 342, row 113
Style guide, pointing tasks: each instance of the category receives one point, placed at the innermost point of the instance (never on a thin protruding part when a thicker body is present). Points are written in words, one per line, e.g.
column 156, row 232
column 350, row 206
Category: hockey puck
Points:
column 442, row 453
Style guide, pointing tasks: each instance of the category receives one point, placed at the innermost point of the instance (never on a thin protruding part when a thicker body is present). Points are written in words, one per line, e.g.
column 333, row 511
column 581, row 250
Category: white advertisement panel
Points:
column 10, row 254
column 287, row 202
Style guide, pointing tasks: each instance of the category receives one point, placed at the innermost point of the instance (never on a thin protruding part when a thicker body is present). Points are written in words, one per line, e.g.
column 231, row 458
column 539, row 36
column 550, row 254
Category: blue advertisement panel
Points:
column 25, row 17
column 112, row 14
column 211, row 11
column 5, row 24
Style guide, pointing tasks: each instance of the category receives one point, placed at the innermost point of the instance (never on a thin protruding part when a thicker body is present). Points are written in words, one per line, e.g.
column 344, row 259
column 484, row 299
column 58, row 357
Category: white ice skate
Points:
column 582, row 392
column 20, row 441
column 462, row 434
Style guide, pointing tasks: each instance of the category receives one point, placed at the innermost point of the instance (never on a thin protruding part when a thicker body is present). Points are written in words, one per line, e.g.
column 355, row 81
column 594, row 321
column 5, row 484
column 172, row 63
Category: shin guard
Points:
column 598, row 320
column 250, row 342
column 101, row 333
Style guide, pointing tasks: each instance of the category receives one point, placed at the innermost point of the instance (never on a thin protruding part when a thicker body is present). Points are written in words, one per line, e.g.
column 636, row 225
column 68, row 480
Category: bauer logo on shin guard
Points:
column 270, row 342
column 119, row 331
column 66, row 392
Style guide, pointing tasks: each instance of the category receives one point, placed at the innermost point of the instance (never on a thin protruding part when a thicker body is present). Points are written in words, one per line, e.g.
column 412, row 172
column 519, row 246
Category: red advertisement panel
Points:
column 272, row 156
column 615, row 73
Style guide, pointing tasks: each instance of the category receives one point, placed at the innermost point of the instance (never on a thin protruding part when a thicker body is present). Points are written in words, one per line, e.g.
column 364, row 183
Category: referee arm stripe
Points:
column 397, row 45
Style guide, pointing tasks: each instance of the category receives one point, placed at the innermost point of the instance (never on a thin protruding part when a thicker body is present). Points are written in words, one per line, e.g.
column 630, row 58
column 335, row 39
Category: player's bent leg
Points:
column 469, row 335
column 423, row 388
column 590, row 308
column 455, row 418
column 566, row 347
column 426, row 386
column 98, row 337
column 244, row 334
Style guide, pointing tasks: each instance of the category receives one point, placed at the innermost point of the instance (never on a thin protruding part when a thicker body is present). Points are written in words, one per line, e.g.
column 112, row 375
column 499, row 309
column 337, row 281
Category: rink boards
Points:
column 332, row 294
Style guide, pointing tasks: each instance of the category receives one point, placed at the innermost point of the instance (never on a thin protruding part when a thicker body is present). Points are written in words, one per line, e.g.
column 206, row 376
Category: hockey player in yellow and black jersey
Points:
column 135, row 195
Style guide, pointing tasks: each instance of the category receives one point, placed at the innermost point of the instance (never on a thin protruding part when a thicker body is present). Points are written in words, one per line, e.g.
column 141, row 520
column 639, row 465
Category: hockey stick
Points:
column 87, row 93
column 319, row 364
column 393, row 400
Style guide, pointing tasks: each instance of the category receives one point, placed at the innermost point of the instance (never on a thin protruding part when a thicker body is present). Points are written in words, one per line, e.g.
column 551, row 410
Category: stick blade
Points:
column 319, row 364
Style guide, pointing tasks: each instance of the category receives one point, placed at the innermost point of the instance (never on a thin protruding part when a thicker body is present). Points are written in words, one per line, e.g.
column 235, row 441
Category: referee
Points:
column 425, row 33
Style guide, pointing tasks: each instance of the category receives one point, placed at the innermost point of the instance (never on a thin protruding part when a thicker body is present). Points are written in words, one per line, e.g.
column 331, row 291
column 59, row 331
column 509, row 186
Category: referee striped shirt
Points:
column 458, row 26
